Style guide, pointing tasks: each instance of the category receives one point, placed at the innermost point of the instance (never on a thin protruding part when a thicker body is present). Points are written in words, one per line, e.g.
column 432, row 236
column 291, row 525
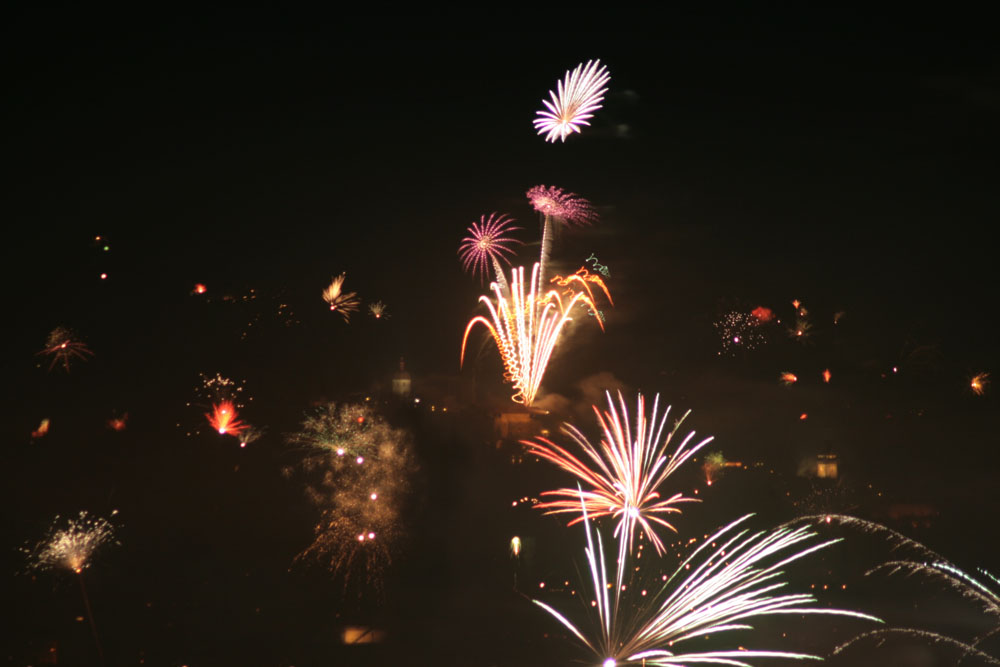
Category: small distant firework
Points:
column 70, row 545
column 837, row 316
column 796, row 303
column 577, row 96
column 801, row 331
column 713, row 465
column 762, row 315
column 378, row 310
column 732, row 577
column 118, row 423
column 788, row 379
column 487, row 244
column 979, row 383
column 360, row 495
column 826, row 375
column 526, row 329
column 804, row 416
column 566, row 208
column 62, row 347
column 739, row 331
column 224, row 419
column 199, row 289
column 628, row 470
column 249, row 435
column 343, row 302
column 515, row 547
column 42, row 430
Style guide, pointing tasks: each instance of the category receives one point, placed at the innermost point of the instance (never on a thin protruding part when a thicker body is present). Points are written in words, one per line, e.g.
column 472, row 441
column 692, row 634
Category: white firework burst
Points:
column 575, row 99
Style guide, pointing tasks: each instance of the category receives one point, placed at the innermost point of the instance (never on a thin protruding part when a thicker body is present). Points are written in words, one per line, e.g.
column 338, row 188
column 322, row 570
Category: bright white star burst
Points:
column 575, row 99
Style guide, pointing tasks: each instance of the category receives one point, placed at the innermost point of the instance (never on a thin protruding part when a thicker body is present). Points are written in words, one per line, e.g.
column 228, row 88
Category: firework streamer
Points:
column 526, row 328
column 731, row 578
column 628, row 469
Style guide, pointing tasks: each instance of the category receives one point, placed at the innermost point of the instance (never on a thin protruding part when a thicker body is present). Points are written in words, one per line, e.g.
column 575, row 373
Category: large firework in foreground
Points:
column 61, row 347
column 733, row 577
column 558, row 207
column 487, row 244
column 360, row 470
column 343, row 302
column 622, row 475
column 574, row 101
column 526, row 328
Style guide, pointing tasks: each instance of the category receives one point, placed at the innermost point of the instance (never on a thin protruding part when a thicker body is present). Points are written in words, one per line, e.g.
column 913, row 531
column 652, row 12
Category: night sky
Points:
column 845, row 162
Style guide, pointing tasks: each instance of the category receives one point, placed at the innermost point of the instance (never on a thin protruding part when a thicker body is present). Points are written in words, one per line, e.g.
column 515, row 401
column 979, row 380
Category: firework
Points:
column 526, row 329
column 72, row 545
column 564, row 207
column 628, row 469
column 713, row 466
column 826, row 375
column 118, row 423
column 515, row 547
column 249, row 435
column 62, row 347
column 762, row 315
column 576, row 97
column 979, row 382
column 880, row 637
column 788, row 379
column 360, row 467
column 343, row 302
column 581, row 279
column 801, row 331
column 732, row 577
column 378, row 310
column 42, row 430
column 224, row 419
column 739, row 331
column 557, row 206
column 487, row 243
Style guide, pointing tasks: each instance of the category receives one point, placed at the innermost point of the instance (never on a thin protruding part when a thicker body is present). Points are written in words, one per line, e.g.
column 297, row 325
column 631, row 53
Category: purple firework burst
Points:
column 577, row 96
column 487, row 242
column 566, row 207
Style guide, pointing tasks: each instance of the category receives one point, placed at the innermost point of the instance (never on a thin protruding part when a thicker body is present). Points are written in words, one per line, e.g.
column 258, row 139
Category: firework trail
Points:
column 487, row 243
column 526, row 329
column 627, row 470
column 576, row 97
column 557, row 206
column 62, row 347
column 378, row 310
column 732, row 577
column 343, row 302
column 788, row 379
column 881, row 636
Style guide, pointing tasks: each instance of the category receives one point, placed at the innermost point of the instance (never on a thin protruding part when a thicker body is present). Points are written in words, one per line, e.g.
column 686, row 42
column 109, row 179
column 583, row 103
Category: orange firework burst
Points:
column 224, row 419
column 118, row 423
column 979, row 382
column 62, row 346
column 582, row 277
column 788, row 379
column 827, row 375
column 762, row 314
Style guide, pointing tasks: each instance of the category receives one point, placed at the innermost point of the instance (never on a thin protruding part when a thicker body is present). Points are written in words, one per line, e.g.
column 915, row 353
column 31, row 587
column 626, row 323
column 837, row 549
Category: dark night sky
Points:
column 849, row 162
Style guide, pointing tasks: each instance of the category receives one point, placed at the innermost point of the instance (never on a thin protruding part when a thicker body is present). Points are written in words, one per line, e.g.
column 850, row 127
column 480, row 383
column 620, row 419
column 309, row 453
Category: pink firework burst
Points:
column 486, row 243
column 566, row 207
column 575, row 99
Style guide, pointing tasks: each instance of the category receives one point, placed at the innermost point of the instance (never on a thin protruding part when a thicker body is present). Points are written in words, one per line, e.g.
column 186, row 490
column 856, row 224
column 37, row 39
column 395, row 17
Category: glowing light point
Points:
column 610, row 662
